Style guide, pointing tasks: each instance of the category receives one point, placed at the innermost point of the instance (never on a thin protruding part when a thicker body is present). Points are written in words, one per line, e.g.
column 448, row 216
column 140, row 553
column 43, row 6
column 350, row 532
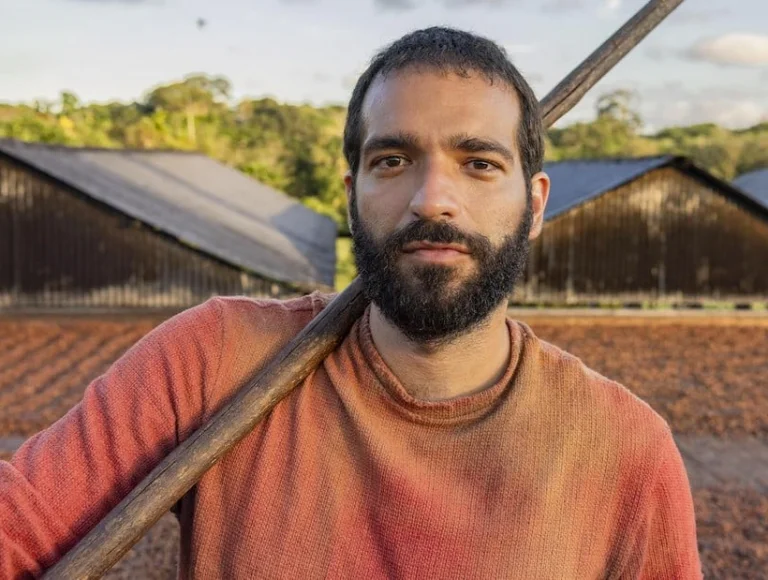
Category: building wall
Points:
column 664, row 238
column 59, row 249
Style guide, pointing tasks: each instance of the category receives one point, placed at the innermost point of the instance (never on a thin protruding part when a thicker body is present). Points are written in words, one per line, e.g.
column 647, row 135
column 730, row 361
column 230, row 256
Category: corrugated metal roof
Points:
column 206, row 205
column 755, row 183
column 579, row 180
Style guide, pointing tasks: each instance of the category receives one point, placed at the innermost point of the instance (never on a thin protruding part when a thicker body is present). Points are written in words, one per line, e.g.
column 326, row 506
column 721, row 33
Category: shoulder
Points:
column 214, row 322
column 245, row 320
column 254, row 313
column 251, row 331
column 590, row 401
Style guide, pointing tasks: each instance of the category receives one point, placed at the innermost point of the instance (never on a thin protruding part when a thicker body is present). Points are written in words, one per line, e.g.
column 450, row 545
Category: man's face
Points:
column 440, row 209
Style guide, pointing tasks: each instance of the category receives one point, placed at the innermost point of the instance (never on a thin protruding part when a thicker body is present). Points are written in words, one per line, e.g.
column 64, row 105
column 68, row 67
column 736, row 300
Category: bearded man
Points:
column 441, row 439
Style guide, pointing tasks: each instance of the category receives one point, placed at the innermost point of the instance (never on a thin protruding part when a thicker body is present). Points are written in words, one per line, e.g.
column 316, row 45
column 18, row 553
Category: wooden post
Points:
column 183, row 467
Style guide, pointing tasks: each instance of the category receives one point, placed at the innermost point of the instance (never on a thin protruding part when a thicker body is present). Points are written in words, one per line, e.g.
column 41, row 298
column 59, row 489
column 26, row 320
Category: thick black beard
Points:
column 424, row 305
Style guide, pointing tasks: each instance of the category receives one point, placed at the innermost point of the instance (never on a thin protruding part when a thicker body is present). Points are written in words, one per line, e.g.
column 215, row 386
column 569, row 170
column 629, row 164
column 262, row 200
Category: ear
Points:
column 349, row 187
column 540, row 187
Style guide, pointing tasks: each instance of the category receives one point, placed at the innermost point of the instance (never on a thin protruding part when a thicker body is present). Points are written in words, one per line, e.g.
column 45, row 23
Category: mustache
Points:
column 436, row 232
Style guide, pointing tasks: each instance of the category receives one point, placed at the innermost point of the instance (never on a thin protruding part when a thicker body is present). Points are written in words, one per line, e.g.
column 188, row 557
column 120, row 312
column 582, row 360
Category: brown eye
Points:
column 480, row 165
column 392, row 161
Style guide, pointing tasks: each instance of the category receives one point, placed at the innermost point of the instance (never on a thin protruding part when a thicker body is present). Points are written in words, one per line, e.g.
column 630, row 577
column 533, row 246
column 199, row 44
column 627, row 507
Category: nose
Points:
column 436, row 196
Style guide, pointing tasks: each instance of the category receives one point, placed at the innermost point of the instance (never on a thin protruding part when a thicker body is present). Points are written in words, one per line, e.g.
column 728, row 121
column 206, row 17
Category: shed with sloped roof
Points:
column 646, row 230
column 83, row 227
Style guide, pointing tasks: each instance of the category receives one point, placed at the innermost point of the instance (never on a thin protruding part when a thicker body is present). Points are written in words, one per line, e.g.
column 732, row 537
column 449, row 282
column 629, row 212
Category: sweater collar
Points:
column 449, row 411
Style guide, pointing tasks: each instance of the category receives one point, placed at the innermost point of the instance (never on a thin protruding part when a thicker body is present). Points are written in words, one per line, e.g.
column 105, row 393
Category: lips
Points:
column 433, row 247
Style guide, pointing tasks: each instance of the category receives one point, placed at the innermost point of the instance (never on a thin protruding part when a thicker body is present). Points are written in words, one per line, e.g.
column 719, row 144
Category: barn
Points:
column 754, row 183
column 85, row 228
column 646, row 231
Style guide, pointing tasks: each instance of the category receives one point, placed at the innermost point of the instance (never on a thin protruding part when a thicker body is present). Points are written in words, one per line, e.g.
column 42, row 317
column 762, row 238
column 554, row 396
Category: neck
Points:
column 469, row 364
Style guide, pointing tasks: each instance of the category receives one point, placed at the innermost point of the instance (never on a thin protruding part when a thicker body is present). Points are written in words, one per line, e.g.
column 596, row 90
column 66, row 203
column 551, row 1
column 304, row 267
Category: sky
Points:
column 708, row 62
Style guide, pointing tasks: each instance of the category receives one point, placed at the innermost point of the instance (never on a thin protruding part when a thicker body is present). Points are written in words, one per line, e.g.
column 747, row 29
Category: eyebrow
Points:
column 401, row 140
column 469, row 144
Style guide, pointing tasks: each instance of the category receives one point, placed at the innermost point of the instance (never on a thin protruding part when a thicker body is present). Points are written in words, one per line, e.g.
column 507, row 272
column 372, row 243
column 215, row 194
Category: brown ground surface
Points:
column 708, row 378
column 732, row 526
column 45, row 365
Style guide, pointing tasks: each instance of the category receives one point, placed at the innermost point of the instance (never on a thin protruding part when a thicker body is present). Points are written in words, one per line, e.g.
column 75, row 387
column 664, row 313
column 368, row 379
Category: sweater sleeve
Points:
column 668, row 547
column 65, row 479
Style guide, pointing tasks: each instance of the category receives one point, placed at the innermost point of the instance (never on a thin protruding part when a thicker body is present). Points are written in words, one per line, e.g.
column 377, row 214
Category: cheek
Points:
column 383, row 206
column 499, row 221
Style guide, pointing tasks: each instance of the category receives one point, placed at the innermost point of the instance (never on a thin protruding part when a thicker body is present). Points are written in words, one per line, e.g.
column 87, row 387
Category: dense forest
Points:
column 297, row 148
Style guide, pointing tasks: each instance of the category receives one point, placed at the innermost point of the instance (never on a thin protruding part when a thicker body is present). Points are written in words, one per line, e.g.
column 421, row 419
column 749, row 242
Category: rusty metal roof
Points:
column 204, row 204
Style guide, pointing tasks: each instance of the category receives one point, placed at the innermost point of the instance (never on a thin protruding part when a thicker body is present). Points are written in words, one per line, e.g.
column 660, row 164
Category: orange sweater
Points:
column 555, row 472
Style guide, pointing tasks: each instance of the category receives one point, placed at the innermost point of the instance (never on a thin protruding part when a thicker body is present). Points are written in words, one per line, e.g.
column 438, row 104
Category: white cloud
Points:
column 612, row 5
column 732, row 113
column 732, row 49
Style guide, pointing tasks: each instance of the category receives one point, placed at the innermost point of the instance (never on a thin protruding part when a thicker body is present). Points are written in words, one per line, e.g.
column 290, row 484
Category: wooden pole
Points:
column 103, row 546
column 572, row 88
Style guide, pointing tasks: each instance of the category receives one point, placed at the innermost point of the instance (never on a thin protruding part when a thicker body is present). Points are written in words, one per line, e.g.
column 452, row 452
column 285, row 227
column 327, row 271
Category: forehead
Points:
column 433, row 104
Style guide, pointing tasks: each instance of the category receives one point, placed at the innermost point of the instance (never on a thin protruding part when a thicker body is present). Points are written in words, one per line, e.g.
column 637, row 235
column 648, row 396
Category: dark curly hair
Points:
column 449, row 50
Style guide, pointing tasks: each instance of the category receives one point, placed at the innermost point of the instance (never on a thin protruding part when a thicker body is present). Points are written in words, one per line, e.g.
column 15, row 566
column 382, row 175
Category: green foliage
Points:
column 345, row 263
column 615, row 132
column 297, row 148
